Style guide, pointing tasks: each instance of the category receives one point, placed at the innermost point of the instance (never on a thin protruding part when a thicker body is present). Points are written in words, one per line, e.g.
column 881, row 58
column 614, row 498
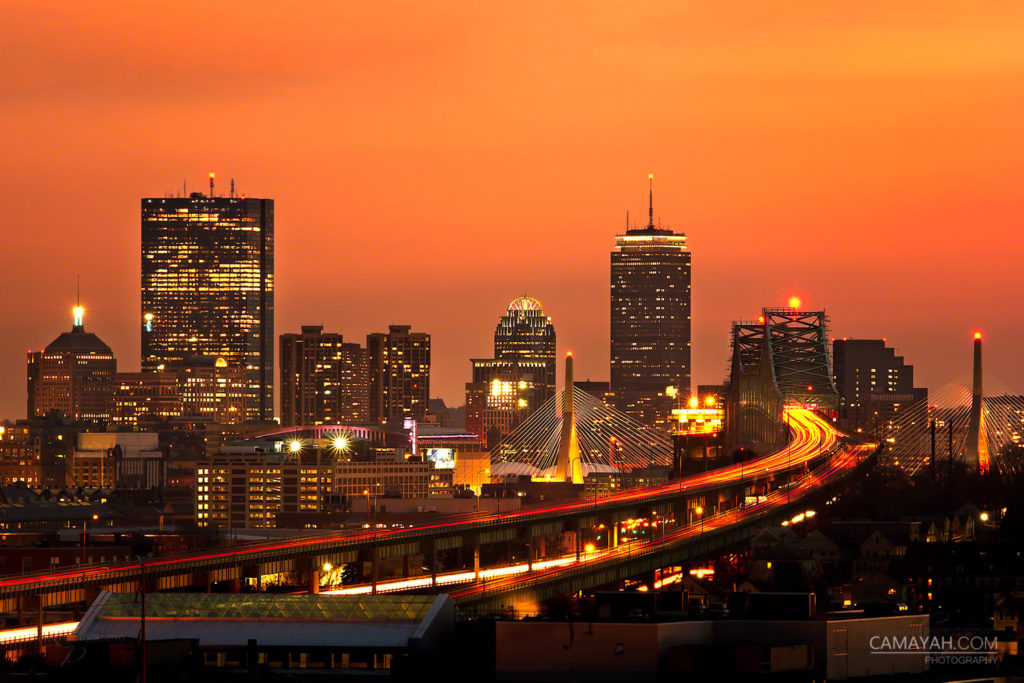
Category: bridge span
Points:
column 814, row 440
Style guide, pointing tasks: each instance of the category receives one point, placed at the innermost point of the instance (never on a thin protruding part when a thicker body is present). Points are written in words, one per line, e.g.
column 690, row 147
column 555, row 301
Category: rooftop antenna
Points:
column 650, row 206
column 232, row 188
column 211, row 184
column 79, row 311
column 627, row 219
column 184, row 188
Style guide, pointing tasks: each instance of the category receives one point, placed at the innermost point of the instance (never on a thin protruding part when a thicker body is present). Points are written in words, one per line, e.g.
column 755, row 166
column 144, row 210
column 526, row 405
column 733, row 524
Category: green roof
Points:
column 304, row 607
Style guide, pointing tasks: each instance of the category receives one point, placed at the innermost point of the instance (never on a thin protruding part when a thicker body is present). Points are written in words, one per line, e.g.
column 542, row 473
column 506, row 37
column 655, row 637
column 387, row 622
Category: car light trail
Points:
column 30, row 633
column 811, row 437
column 453, row 578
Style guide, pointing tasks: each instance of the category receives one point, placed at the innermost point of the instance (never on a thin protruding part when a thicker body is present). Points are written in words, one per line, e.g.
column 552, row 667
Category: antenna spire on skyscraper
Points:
column 78, row 311
column 650, row 206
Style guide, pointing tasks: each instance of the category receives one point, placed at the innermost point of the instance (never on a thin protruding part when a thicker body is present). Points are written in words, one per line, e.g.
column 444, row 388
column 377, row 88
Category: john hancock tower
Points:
column 208, row 287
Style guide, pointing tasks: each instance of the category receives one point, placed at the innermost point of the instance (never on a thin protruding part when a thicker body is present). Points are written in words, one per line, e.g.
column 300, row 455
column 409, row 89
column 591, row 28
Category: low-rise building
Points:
column 121, row 460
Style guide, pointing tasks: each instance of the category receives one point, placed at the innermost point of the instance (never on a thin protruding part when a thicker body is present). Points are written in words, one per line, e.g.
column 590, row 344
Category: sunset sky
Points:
column 432, row 160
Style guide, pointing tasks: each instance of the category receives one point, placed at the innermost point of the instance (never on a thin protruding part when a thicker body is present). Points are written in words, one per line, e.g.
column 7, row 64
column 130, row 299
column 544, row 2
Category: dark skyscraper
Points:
column 208, row 287
column 874, row 383
column 521, row 376
column 399, row 369
column 650, row 316
column 324, row 380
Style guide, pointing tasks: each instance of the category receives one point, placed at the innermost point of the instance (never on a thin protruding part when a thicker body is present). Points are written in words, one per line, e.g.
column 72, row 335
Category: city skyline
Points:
column 867, row 221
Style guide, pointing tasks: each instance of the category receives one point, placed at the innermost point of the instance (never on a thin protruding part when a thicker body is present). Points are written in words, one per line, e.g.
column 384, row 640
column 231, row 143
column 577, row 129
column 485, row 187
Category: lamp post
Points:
column 789, row 453
column 486, row 470
column 142, row 615
column 700, row 513
column 85, row 534
column 366, row 492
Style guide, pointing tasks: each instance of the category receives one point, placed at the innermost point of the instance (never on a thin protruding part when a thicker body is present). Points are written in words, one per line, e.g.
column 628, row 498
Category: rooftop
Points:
column 382, row 621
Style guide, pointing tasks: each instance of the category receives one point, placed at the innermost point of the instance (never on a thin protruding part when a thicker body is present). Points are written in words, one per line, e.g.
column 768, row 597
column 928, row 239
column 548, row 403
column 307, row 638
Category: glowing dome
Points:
column 525, row 303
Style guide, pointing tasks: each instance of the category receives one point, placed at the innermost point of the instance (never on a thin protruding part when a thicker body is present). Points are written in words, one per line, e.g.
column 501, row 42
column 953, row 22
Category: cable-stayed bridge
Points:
column 959, row 423
column 608, row 440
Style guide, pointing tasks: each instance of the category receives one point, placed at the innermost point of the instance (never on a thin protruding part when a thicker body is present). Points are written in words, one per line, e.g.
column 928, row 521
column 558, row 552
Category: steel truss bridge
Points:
column 781, row 359
column 815, row 441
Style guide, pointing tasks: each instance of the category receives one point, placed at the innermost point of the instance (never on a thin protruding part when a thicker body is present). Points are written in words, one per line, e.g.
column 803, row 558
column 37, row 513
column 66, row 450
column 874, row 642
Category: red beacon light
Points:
column 977, row 335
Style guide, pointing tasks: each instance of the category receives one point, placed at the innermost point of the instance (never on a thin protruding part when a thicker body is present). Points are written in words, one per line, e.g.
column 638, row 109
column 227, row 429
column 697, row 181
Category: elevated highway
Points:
column 714, row 535
column 814, row 440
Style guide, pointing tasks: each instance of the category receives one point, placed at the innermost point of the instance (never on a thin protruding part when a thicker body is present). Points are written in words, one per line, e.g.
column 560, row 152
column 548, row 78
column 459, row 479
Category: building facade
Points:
column 874, row 383
column 37, row 451
column 399, row 374
column 252, row 490
column 74, row 374
column 212, row 390
column 324, row 380
column 121, row 460
column 208, row 287
column 145, row 399
column 650, row 321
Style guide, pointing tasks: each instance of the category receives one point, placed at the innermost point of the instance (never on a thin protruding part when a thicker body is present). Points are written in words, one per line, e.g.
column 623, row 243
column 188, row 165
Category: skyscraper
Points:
column 324, row 380
column 650, row 320
column 208, row 287
column 521, row 376
column 74, row 374
column 399, row 371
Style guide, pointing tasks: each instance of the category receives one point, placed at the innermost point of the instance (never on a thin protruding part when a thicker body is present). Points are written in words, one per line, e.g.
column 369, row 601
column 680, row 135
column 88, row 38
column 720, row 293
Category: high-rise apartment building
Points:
column 521, row 376
column 399, row 373
column 74, row 374
column 874, row 383
column 208, row 287
column 650, row 320
column 324, row 380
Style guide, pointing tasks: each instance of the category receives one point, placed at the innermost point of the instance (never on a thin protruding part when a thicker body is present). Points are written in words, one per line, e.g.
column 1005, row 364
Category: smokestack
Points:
column 977, row 441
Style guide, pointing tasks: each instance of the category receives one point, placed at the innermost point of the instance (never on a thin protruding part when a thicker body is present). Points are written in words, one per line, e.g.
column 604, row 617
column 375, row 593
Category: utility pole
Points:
column 933, row 451
column 951, row 452
column 142, row 615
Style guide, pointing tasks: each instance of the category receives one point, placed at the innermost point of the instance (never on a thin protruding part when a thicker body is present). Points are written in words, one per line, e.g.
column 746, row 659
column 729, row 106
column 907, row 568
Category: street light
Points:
column 700, row 513
column 142, row 615
column 85, row 533
column 366, row 492
column 486, row 470
column 789, row 452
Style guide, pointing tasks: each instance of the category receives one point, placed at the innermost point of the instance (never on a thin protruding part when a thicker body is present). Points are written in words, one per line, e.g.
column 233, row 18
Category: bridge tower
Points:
column 569, row 465
column 780, row 359
column 977, row 443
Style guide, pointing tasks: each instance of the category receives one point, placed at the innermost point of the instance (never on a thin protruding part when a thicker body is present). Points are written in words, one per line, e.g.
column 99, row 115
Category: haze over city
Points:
column 429, row 164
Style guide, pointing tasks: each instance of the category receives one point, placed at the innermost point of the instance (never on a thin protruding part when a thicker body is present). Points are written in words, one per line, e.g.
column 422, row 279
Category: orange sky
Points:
column 430, row 161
